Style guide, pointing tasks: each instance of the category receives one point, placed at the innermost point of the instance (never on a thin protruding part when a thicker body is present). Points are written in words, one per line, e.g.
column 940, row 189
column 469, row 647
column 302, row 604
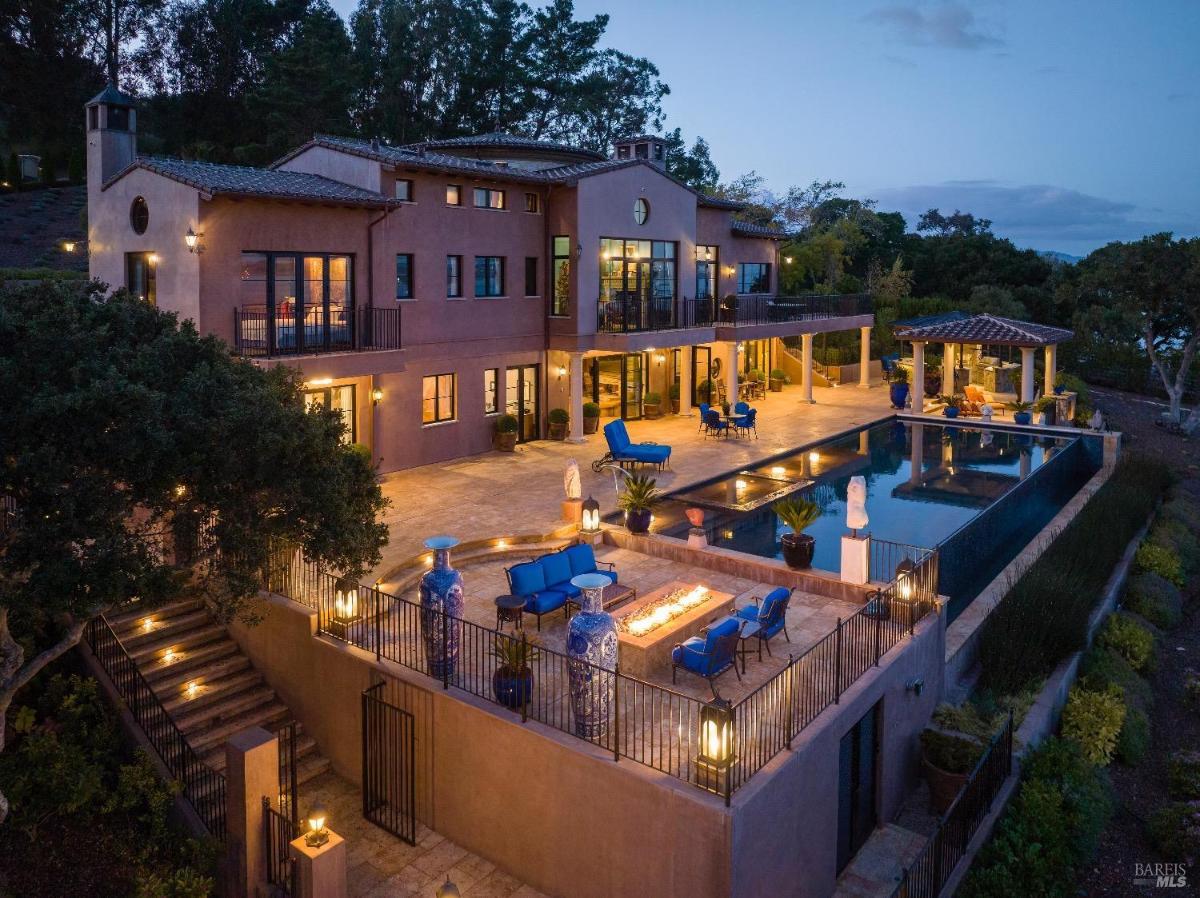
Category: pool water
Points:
column 927, row 485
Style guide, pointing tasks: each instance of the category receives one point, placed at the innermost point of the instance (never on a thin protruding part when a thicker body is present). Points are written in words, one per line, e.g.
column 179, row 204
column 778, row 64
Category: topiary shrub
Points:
column 1159, row 560
column 1102, row 667
column 1086, row 787
column 1156, row 599
column 1183, row 775
column 558, row 416
column 1182, row 510
column 591, row 410
column 950, row 752
column 1175, row 537
column 1134, row 739
column 1129, row 639
column 1093, row 720
column 1175, row 830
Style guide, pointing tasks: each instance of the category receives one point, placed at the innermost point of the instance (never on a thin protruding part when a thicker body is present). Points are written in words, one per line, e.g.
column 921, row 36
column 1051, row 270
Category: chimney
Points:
column 645, row 146
column 111, row 134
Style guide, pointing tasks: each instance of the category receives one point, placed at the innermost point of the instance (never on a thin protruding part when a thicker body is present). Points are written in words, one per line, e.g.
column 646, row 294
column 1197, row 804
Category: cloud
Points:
column 949, row 25
column 1038, row 215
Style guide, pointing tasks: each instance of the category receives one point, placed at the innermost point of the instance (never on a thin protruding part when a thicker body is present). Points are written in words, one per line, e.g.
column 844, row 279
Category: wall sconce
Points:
column 317, row 834
column 447, row 890
column 192, row 239
column 562, row 372
column 69, row 246
column 787, row 260
column 590, row 522
column 152, row 258
column 376, row 396
column 660, row 358
column 814, row 457
column 715, row 756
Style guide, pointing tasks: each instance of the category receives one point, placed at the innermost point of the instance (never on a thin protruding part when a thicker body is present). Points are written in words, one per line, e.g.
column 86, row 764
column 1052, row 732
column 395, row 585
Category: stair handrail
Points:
column 203, row 786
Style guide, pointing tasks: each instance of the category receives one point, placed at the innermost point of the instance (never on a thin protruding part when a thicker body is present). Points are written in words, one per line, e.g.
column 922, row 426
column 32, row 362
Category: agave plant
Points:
column 514, row 655
column 1020, row 406
column 641, row 494
column 797, row 513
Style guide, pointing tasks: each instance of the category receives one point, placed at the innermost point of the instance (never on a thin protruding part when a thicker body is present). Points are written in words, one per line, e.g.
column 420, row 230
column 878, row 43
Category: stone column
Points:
column 917, row 387
column 864, row 357
column 917, row 459
column 731, row 371
column 687, row 364
column 1026, row 461
column 806, row 352
column 1051, row 369
column 251, row 771
column 321, row 871
column 575, row 409
column 947, row 369
column 1027, row 384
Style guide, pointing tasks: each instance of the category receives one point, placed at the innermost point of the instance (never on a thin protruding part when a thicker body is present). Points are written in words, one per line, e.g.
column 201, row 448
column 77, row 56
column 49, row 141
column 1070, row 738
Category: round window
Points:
column 641, row 211
column 139, row 215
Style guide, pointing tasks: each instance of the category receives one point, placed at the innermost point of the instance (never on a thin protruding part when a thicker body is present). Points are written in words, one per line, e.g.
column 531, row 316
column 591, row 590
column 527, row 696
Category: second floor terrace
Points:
column 632, row 312
column 262, row 331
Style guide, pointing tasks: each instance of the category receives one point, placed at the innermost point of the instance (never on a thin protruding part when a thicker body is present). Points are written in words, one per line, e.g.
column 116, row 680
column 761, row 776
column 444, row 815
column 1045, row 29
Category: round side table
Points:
column 510, row 609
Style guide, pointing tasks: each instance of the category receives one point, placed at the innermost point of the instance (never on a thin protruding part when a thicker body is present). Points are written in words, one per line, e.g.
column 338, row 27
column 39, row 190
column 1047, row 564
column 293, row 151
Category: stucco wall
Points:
column 712, row 229
column 343, row 167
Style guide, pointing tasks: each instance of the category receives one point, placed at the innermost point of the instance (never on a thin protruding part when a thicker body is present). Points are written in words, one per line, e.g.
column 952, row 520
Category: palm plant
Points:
column 1020, row 406
column 797, row 513
column 641, row 494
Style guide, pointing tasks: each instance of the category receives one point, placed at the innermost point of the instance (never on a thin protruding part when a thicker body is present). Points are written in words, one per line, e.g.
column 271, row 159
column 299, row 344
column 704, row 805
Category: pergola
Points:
column 956, row 329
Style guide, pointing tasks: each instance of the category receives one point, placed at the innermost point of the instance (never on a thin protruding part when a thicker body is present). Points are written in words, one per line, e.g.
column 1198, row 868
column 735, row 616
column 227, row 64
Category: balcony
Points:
column 630, row 313
column 261, row 333
column 742, row 311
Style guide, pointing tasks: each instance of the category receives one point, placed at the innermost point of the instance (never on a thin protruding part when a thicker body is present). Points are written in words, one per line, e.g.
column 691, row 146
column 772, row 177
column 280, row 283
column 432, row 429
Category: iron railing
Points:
column 653, row 725
column 955, row 829
column 389, row 772
column 751, row 310
column 630, row 313
column 288, row 794
column 278, row 834
column 261, row 332
column 203, row 787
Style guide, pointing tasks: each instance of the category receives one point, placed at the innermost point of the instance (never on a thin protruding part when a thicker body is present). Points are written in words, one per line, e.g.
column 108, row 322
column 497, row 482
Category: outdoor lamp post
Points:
column 905, row 575
column 345, row 608
column 590, row 522
column 715, row 757
column 317, row 834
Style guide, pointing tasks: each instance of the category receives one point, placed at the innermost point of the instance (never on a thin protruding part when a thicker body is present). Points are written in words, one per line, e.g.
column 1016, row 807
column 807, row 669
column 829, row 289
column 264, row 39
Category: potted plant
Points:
column 1047, row 407
column 1021, row 412
column 947, row 759
column 953, row 404
column 757, row 375
column 898, row 387
column 705, row 391
column 638, row 501
column 559, row 419
column 673, row 394
column 652, row 405
column 725, row 407
column 591, row 417
column 798, row 547
column 778, row 379
column 512, row 683
column 506, row 433
column 1060, row 383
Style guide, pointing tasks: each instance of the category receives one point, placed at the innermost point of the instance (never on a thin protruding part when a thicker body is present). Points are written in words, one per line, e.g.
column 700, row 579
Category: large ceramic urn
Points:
column 592, row 654
column 441, row 609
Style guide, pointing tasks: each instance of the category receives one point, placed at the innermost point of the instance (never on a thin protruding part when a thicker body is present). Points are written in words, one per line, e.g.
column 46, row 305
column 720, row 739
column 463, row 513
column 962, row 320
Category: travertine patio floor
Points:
column 497, row 494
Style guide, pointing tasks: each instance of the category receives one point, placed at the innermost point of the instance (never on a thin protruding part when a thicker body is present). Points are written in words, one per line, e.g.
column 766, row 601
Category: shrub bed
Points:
column 1156, row 599
column 1093, row 719
column 1129, row 639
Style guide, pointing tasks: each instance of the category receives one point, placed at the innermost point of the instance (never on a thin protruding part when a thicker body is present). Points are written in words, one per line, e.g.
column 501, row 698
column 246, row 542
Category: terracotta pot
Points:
column 558, row 431
column 674, row 406
column 798, row 550
column 506, row 442
column 776, row 385
column 651, row 411
column 943, row 786
column 591, row 425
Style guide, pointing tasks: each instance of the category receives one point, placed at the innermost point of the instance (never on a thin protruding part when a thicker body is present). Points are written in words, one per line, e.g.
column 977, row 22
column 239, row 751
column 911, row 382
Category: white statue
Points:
column 856, row 503
column 1097, row 421
column 571, row 482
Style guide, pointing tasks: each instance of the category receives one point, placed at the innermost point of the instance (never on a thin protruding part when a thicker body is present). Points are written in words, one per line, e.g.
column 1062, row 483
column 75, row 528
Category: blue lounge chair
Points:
column 545, row 582
column 711, row 653
column 713, row 425
column 747, row 422
column 770, row 615
column 620, row 449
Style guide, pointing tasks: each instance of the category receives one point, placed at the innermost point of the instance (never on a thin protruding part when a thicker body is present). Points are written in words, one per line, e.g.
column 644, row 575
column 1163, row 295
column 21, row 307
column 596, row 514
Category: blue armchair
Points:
column 621, row 449
column 714, row 425
column 747, row 422
column 711, row 653
column 704, row 407
column 771, row 615
column 741, row 408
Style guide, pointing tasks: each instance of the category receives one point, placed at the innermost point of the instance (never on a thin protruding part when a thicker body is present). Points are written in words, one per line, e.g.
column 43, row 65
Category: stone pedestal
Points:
column 251, row 771
column 320, row 872
column 572, row 510
column 856, row 564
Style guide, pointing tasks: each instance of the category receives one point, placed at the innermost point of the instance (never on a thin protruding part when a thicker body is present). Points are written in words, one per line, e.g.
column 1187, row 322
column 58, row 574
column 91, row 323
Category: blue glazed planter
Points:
column 441, row 609
column 899, row 395
column 950, row 411
column 513, row 691
column 592, row 652
column 1022, row 418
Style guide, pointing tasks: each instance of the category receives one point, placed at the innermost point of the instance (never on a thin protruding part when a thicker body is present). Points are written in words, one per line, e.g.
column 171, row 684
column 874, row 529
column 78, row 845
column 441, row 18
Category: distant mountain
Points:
column 1056, row 257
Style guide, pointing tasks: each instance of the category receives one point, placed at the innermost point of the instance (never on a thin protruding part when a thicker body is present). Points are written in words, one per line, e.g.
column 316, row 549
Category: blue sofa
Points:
column 621, row 449
column 545, row 583
column 711, row 653
column 771, row 615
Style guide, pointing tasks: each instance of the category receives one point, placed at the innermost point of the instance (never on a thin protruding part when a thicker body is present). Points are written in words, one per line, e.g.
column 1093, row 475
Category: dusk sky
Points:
column 1068, row 124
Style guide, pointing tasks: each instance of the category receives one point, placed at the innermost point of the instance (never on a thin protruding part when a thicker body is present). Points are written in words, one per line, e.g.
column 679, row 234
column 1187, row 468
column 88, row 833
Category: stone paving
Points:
column 497, row 494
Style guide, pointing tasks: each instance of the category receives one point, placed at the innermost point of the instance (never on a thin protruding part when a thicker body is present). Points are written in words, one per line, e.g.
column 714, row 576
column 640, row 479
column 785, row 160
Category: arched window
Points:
column 139, row 215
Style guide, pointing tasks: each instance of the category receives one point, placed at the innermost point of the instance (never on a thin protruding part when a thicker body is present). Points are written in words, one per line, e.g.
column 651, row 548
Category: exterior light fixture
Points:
column 590, row 522
column 180, row 491
column 787, row 260
column 377, row 396
column 152, row 258
column 317, row 834
column 715, row 756
column 148, row 624
column 320, row 382
column 192, row 688
column 562, row 372
column 68, row 246
column 660, row 358
column 740, row 484
column 814, row 457
column 345, row 608
column 905, row 577
column 778, row 471
column 168, row 656
column 192, row 239
column 448, row 890
column 501, row 544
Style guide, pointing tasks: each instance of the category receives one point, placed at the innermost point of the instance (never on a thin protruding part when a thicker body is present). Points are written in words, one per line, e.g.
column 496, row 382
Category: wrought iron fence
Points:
column 287, row 772
column 653, row 725
column 262, row 332
column 631, row 313
column 933, row 866
column 278, row 833
column 389, row 774
column 751, row 310
column 203, row 787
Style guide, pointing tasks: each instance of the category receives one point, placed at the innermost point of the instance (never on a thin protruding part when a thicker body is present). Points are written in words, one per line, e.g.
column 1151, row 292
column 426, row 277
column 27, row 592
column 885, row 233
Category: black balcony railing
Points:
column 749, row 310
column 261, row 333
column 630, row 313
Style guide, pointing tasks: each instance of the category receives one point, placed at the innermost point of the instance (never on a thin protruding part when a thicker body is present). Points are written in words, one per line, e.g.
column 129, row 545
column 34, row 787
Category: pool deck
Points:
column 496, row 494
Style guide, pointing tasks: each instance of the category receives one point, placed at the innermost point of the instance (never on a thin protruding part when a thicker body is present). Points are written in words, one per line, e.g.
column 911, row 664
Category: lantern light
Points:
column 377, row 396
column 317, row 834
column 905, row 575
column 192, row 239
column 590, row 522
column 152, row 258
column 715, row 757
column 68, row 246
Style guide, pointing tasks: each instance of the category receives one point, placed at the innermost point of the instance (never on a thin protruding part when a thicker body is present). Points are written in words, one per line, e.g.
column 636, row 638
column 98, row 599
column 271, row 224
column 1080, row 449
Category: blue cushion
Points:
column 650, row 454
column 567, row 588
column 741, row 407
column 778, row 594
column 726, row 626
column 544, row 601
column 688, row 652
column 750, row 613
column 527, row 578
column 617, row 436
column 557, row 568
column 581, row 557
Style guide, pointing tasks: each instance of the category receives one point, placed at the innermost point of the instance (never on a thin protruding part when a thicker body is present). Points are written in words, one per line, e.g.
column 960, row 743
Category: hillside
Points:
column 34, row 223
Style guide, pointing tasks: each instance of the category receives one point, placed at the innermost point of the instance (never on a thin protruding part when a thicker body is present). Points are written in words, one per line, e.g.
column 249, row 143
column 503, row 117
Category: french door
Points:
column 857, row 784
column 521, row 400
column 702, row 385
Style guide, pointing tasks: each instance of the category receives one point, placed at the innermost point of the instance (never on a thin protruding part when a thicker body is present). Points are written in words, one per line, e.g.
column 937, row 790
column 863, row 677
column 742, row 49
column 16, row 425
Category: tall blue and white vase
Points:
column 592, row 658
column 441, row 609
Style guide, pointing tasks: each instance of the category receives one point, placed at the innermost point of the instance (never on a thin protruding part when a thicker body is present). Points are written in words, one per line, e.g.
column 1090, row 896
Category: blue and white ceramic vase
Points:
column 592, row 653
column 441, row 608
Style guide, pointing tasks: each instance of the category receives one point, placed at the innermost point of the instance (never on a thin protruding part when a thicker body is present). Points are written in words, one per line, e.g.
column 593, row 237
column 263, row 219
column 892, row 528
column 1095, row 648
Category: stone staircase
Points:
column 206, row 683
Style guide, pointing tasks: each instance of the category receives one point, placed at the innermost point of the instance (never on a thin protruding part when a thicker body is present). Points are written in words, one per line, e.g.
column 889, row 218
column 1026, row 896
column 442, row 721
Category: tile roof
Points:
column 753, row 229
column 990, row 329
column 905, row 324
column 242, row 180
column 507, row 141
column 111, row 95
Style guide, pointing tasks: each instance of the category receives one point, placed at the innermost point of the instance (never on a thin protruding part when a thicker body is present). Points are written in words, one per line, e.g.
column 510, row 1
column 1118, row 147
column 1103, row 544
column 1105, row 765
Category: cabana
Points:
column 968, row 342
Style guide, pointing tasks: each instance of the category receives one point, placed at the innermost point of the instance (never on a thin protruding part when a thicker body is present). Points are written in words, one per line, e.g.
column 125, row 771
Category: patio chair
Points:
column 704, row 407
column 770, row 615
column 745, row 424
column 711, row 653
column 621, row 449
column 713, row 425
column 741, row 408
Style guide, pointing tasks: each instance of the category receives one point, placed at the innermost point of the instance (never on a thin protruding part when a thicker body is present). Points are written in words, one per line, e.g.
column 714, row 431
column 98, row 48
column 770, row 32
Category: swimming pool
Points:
column 978, row 494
